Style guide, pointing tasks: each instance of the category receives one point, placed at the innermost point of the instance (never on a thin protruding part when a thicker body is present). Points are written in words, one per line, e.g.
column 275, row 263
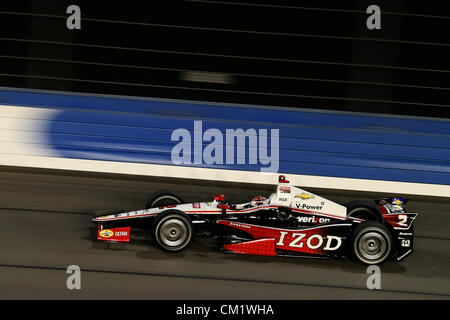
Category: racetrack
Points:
column 45, row 227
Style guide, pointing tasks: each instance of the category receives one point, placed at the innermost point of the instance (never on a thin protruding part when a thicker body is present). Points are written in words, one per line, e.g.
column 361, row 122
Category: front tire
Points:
column 372, row 243
column 163, row 198
column 172, row 231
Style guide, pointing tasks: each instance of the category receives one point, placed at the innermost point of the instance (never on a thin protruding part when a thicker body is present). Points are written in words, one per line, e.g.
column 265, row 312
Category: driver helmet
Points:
column 256, row 201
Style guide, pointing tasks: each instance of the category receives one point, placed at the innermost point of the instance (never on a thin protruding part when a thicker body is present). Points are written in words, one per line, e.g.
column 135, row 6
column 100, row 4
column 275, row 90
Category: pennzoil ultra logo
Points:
column 106, row 233
column 304, row 196
column 397, row 201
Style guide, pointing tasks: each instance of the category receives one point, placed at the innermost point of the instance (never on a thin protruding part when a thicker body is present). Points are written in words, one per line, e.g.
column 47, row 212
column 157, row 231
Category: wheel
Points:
column 172, row 231
column 362, row 210
column 283, row 214
column 163, row 198
column 372, row 243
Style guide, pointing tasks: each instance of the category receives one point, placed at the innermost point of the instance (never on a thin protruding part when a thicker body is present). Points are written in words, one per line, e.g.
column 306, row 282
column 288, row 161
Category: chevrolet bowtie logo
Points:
column 304, row 196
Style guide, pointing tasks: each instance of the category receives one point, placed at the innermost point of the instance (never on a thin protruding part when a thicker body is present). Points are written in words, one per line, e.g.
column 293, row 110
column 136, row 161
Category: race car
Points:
column 290, row 222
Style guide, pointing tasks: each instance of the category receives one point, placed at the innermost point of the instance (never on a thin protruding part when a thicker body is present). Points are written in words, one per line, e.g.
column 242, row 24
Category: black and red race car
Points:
column 290, row 222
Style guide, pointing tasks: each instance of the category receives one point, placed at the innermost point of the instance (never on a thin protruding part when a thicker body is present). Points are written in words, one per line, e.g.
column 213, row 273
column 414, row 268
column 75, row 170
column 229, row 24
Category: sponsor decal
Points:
column 114, row 234
column 405, row 243
column 285, row 189
column 304, row 196
column 239, row 225
column 397, row 201
column 166, row 207
column 404, row 255
column 106, row 233
column 398, row 221
column 309, row 207
column 313, row 242
column 196, row 205
column 313, row 219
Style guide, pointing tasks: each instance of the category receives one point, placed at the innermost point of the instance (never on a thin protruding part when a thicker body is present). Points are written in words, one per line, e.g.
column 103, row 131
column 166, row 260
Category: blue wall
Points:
column 312, row 143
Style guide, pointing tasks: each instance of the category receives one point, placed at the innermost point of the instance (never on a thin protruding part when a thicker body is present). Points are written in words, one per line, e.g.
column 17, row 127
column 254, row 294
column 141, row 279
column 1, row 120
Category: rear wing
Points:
column 401, row 220
column 403, row 232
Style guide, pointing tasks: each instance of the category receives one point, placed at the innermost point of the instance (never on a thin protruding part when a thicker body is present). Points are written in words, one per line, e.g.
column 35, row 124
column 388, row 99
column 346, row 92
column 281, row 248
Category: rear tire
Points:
column 172, row 231
column 372, row 243
column 363, row 210
column 163, row 198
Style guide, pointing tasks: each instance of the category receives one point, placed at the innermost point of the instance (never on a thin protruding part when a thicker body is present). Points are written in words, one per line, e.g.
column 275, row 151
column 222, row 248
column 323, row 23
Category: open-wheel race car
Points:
column 290, row 222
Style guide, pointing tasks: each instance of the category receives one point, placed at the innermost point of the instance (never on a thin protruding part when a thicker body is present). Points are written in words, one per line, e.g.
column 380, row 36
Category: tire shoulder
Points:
column 160, row 193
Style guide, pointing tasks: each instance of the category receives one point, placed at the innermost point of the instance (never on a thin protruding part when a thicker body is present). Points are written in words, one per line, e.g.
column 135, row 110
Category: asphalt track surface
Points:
column 45, row 227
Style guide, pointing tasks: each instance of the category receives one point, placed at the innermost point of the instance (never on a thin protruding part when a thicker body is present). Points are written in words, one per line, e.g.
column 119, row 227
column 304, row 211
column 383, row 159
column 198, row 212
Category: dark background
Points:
column 308, row 54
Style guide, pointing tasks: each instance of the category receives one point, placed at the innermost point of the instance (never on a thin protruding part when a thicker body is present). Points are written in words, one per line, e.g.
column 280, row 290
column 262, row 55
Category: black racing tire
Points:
column 163, row 198
column 372, row 243
column 172, row 231
column 283, row 214
column 363, row 210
